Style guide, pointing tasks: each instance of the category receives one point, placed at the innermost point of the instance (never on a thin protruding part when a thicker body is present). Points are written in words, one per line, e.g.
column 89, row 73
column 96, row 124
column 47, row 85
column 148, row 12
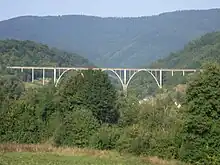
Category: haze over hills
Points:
column 115, row 42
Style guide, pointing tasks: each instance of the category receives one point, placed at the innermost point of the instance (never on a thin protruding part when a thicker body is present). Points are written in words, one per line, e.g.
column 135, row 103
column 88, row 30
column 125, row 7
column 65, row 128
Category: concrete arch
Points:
column 57, row 81
column 144, row 70
column 111, row 70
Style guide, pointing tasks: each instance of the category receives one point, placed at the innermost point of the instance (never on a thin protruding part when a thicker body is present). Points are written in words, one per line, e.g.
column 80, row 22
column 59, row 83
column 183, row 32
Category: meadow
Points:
column 47, row 155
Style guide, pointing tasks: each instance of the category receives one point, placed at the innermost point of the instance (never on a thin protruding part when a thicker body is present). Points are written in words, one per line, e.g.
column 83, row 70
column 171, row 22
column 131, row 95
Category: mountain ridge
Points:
column 112, row 41
column 112, row 17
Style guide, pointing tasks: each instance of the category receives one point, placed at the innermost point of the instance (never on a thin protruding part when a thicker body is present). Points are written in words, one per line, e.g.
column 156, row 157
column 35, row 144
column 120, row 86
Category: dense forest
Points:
column 194, row 54
column 29, row 53
column 115, row 42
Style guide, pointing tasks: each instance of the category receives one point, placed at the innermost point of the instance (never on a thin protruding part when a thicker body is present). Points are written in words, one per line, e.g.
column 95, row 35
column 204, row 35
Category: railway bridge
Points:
column 125, row 75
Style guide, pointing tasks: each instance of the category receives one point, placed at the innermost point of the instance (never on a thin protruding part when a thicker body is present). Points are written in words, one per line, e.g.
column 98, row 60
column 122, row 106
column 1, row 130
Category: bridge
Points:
column 125, row 75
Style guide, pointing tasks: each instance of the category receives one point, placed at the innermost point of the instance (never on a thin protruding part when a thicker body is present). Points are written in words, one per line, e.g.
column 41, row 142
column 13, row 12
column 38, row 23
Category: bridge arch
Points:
column 145, row 70
column 119, row 78
column 111, row 70
column 65, row 71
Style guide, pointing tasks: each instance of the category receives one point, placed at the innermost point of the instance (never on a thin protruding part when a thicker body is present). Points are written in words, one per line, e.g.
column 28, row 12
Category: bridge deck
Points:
column 84, row 68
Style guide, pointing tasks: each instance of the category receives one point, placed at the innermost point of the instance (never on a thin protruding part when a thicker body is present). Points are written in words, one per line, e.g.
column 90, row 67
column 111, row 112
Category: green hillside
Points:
column 197, row 52
column 194, row 55
column 114, row 42
column 28, row 53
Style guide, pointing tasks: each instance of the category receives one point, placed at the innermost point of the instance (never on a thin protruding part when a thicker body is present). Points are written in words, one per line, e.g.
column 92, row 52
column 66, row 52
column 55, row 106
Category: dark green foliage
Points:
column 108, row 42
column 76, row 129
column 93, row 90
column 134, row 139
column 106, row 137
column 201, row 131
column 194, row 54
column 30, row 118
column 10, row 87
column 128, row 109
column 21, row 121
column 157, row 128
column 29, row 53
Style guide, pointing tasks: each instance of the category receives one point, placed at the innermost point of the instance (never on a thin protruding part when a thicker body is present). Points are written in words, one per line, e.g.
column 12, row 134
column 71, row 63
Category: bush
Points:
column 106, row 137
column 156, row 131
column 128, row 109
column 76, row 128
column 21, row 123
column 134, row 140
column 201, row 131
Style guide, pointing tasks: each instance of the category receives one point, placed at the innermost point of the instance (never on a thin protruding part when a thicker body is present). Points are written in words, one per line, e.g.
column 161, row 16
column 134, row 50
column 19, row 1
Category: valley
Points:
column 88, row 118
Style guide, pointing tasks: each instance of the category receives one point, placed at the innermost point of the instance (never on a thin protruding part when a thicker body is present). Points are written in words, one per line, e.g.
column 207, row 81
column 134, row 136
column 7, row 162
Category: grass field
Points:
column 47, row 155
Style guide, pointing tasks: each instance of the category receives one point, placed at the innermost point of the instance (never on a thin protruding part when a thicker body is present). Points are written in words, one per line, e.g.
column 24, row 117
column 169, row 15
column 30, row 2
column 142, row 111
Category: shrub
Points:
column 76, row 129
column 134, row 140
column 106, row 137
column 201, row 131
column 21, row 123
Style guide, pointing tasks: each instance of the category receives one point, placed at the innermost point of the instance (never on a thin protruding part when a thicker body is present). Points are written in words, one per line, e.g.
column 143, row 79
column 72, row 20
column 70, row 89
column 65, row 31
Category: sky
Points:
column 103, row 8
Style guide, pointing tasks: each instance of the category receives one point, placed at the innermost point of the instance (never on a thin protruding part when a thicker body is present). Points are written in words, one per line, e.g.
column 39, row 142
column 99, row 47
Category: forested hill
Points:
column 130, row 42
column 197, row 52
column 29, row 53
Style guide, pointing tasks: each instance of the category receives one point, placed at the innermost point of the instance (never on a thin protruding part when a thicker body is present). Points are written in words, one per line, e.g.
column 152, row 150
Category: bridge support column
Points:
column 161, row 78
column 54, row 75
column 43, row 76
column 125, row 76
column 125, row 89
column 32, row 75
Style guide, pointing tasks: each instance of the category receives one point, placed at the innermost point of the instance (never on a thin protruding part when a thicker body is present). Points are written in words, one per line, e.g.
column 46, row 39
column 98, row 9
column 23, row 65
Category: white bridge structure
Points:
column 125, row 75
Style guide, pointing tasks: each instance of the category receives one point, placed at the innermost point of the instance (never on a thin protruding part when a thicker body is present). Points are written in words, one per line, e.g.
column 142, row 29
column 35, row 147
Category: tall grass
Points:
column 23, row 152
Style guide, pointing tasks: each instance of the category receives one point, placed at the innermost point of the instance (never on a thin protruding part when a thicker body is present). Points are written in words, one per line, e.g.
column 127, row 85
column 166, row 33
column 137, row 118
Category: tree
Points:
column 201, row 131
column 76, row 129
column 94, row 91
column 10, row 87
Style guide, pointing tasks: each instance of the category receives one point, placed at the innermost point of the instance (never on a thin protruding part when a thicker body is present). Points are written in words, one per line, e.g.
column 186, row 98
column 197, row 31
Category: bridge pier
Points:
column 43, row 76
column 161, row 79
column 125, row 89
column 32, row 75
column 54, row 75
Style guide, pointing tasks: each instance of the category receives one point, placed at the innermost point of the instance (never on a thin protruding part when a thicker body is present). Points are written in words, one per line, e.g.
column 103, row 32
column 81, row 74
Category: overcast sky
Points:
column 104, row 8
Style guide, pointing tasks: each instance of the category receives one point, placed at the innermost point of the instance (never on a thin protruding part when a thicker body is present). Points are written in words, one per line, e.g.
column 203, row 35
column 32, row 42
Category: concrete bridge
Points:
column 125, row 75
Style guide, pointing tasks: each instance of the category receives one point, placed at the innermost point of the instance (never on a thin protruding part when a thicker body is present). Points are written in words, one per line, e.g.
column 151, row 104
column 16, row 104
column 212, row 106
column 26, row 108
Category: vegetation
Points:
column 85, row 111
column 206, row 48
column 44, row 155
column 115, row 42
column 203, row 49
column 201, row 129
column 67, row 116
column 30, row 53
